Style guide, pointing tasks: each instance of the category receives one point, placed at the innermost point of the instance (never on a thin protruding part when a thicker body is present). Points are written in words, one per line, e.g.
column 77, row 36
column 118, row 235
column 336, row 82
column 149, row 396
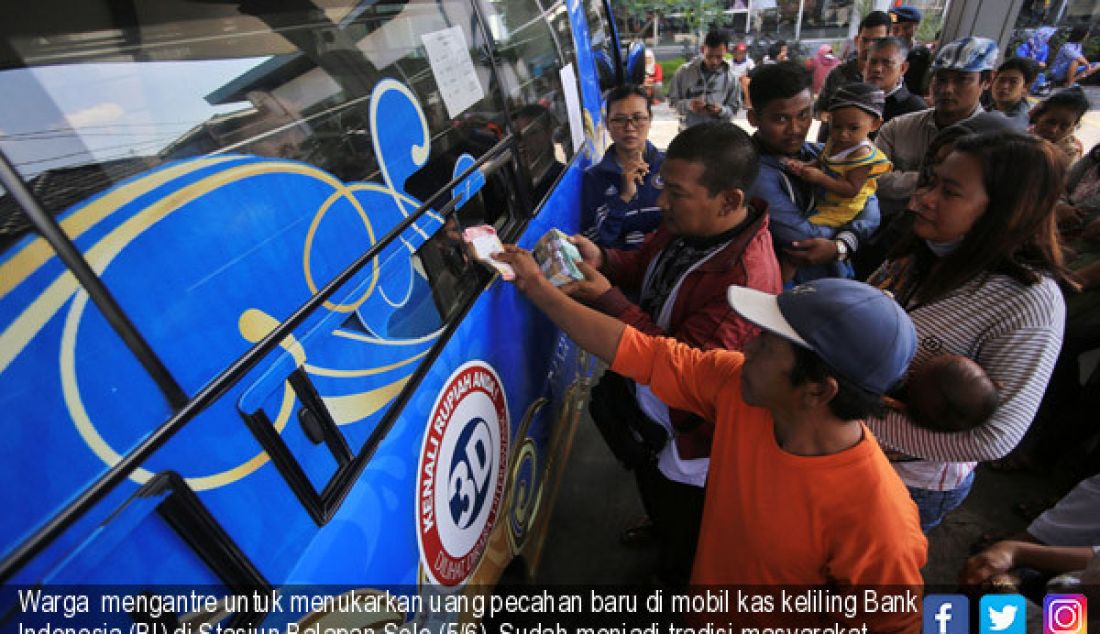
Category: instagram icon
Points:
column 1065, row 614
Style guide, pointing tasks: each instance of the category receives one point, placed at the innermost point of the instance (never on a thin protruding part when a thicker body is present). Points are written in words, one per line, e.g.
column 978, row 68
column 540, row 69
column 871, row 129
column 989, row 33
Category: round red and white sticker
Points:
column 460, row 480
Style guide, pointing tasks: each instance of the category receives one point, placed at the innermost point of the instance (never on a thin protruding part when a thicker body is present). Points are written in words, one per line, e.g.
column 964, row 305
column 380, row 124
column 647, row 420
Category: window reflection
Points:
column 599, row 30
column 79, row 128
column 530, row 72
column 538, row 149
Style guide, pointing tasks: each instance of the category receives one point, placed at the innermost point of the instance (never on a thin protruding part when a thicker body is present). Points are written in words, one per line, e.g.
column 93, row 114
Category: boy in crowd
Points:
column 875, row 25
column 1011, row 84
column 799, row 492
column 948, row 393
column 1057, row 117
column 742, row 66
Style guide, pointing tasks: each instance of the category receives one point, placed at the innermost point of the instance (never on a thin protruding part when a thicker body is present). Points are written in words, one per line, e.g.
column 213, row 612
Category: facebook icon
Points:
column 946, row 614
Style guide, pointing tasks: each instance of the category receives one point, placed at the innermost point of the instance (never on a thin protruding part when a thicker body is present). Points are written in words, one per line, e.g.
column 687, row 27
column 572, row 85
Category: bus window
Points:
column 531, row 65
column 599, row 30
column 563, row 32
column 453, row 275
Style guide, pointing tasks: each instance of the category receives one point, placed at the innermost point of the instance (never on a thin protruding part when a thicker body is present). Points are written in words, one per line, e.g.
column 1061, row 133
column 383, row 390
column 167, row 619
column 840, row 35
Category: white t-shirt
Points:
column 742, row 68
column 1074, row 520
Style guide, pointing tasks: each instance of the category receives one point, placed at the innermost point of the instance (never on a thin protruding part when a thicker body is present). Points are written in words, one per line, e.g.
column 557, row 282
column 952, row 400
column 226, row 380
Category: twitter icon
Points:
column 1003, row 614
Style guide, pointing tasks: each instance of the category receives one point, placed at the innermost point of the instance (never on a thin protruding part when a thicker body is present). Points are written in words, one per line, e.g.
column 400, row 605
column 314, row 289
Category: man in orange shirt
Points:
column 799, row 492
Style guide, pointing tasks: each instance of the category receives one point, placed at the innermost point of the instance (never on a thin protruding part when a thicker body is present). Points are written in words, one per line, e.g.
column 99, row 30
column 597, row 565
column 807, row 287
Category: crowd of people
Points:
column 812, row 345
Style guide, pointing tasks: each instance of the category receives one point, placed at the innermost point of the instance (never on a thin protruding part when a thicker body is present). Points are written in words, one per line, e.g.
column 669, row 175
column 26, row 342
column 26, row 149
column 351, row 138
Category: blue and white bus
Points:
column 241, row 344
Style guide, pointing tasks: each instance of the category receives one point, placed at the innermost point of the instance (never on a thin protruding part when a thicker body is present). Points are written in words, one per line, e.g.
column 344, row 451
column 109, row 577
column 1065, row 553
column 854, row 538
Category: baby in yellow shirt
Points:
column 850, row 163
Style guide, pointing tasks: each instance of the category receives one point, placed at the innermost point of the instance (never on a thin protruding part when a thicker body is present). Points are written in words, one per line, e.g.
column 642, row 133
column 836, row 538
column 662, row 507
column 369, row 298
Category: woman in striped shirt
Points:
column 979, row 277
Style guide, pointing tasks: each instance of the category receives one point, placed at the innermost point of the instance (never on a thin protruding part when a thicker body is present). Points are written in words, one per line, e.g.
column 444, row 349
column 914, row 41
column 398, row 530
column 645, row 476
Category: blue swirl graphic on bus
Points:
column 471, row 471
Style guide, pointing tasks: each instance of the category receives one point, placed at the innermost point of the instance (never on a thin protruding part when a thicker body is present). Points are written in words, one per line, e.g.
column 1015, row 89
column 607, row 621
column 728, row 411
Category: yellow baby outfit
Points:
column 834, row 211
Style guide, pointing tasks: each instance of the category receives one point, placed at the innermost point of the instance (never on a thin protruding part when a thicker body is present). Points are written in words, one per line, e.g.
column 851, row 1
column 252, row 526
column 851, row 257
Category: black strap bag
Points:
column 633, row 437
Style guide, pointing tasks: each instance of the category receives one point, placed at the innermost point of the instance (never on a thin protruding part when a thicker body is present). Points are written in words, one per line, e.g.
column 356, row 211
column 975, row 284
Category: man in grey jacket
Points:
column 705, row 89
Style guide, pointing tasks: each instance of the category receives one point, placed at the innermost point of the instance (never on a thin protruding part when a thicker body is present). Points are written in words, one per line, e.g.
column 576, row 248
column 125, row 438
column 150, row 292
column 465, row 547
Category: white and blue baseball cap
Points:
column 859, row 331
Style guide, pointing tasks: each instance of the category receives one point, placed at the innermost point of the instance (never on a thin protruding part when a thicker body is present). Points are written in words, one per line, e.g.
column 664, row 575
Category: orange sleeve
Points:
column 884, row 558
column 681, row 376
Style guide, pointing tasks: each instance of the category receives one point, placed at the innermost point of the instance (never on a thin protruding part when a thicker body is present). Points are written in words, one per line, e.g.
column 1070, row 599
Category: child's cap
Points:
column 859, row 95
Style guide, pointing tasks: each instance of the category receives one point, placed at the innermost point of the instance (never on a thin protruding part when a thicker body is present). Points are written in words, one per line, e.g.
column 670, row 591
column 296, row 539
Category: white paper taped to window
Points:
column 453, row 69
column 572, row 105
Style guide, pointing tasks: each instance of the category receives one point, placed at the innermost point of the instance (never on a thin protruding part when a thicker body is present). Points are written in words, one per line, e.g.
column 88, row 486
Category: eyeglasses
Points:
column 638, row 120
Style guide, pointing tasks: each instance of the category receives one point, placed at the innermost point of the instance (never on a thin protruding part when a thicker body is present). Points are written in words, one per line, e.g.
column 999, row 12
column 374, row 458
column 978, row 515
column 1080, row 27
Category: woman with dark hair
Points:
column 979, row 277
column 872, row 254
column 1070, row 64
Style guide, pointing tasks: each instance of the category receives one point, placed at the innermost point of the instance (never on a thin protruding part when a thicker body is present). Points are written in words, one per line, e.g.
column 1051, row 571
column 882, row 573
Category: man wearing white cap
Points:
column 799, row 491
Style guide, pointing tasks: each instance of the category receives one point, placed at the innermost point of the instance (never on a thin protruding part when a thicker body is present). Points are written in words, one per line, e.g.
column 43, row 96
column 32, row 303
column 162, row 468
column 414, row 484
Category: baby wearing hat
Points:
column 849, row 164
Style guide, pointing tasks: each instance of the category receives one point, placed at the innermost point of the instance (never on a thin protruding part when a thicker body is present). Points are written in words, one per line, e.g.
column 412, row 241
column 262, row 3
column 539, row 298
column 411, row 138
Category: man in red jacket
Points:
column 711, row 237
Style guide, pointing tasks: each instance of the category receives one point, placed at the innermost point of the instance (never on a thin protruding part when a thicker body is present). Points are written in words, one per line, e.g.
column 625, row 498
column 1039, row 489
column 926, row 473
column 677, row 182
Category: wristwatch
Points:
column 841, row 251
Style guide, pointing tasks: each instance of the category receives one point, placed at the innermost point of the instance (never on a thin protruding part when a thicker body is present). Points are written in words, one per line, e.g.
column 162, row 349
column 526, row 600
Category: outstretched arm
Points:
column 590, row 329
column 1007, row 555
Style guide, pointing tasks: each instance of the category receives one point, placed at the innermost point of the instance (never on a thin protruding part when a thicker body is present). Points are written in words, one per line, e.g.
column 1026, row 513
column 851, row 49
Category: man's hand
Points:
column 590, row 253
column 998, row 559
column 529, row 277
column 590, row 288
column 698, row 105
column 812, row 252
column 793, row 166
column 634, row 172
column 714, row 109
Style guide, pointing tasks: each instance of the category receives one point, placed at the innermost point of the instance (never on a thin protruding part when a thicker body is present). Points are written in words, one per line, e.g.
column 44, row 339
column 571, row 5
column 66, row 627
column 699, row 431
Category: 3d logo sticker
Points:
column 460, row 482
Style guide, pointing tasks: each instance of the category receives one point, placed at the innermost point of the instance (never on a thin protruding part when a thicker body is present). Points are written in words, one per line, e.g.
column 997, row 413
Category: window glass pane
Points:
column 531, row 66
column 75, row 397
column 599, row 29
